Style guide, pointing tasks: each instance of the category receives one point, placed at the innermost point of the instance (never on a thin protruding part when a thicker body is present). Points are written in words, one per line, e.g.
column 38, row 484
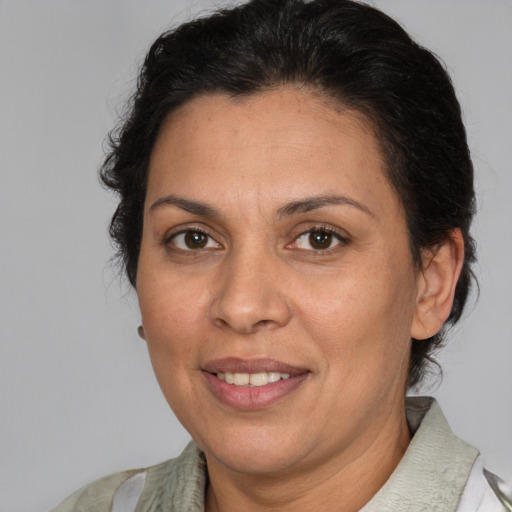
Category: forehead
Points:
column 274, row 144
column 294, row 116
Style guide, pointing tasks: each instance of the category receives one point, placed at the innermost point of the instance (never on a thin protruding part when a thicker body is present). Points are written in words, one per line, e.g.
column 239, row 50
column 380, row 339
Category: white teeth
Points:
column 241, row 379
column 273, row 376
column 252, row 379
column 258, row 379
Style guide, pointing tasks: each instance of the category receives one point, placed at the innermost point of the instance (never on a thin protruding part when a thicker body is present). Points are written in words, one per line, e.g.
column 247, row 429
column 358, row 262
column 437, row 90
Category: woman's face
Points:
column 275, row 254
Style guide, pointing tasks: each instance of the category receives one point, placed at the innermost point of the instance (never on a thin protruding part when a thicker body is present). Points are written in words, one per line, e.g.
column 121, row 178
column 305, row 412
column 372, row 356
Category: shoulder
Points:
column 457, row 467
column 484, row 492
column 502, row 490
column 97, row 495
column 138, row 488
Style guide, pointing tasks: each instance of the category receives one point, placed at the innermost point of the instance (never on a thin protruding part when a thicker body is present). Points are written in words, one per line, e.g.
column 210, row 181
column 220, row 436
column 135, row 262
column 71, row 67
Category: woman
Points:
column 296, row 194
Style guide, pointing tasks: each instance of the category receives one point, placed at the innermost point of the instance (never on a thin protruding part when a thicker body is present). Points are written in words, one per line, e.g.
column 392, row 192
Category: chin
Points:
column 255, row 451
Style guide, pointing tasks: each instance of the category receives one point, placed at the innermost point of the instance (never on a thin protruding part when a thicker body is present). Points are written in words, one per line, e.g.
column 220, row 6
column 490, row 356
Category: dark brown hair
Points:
column 347, row 50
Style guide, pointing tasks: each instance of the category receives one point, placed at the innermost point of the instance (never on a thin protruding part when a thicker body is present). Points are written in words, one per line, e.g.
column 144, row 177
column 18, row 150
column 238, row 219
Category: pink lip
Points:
column 237, row 365
column 251, row 398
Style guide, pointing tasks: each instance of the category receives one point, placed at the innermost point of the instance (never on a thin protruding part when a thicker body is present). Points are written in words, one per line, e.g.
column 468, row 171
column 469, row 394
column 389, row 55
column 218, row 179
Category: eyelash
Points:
column 336, row 236
column 169, row 240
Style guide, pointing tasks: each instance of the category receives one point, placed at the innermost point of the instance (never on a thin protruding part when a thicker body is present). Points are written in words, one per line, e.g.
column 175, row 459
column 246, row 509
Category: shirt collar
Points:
column 433, row 471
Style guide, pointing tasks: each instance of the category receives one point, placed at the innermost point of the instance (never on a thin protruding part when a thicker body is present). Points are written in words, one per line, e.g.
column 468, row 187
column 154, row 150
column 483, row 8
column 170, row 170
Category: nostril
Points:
column 221, row 322
column 243, row 327
column 249, row 308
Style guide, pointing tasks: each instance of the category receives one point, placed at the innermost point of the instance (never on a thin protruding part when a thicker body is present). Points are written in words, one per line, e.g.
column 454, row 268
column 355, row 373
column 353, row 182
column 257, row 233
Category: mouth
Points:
column 252, row 379
column 252, row 384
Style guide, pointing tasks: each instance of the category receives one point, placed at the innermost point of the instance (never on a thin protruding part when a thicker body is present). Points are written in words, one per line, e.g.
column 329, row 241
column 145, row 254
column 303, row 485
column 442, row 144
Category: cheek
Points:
column 170, row 315
column 173, row 314
column 360, row 299
column 361, row 317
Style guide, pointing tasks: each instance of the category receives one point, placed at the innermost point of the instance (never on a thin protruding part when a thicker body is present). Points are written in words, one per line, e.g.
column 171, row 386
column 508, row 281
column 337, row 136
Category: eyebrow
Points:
column 314, row 203
column 295, row 207
column 190, row 206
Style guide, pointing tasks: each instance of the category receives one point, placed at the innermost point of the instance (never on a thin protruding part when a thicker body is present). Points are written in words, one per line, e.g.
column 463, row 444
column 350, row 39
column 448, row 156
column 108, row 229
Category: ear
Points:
column 441, row 267
column 141, row 333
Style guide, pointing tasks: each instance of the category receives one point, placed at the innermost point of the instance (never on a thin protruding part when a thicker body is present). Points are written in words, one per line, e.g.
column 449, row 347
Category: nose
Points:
column 250, row 295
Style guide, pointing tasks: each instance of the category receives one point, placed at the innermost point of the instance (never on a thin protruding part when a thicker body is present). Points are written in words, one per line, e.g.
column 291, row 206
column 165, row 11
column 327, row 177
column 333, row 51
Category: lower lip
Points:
column 257, row 397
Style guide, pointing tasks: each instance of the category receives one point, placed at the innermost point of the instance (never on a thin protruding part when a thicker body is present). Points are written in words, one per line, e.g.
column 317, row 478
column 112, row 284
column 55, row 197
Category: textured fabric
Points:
column 432, row 476
column 478, row 495
column 176, row 485
column 95, row 497
column 127, row 497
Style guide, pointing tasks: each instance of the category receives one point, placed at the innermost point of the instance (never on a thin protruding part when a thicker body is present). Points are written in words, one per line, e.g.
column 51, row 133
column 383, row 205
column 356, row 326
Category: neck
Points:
column 348, row 479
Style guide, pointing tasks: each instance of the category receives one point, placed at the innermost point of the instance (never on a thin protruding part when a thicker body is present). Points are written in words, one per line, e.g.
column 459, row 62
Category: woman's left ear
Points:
column 441, row 267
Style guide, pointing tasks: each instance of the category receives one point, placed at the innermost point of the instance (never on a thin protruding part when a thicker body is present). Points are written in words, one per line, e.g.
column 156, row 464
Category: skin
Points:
column 259, row 289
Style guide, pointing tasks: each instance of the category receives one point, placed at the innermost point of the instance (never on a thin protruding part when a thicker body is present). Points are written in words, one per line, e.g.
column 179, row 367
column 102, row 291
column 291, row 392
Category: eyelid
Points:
column 180, row 230
column 342, row 237
column 315, row 226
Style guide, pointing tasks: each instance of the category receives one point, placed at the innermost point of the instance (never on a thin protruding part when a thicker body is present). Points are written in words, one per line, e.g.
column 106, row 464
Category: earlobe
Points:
column 441, row 267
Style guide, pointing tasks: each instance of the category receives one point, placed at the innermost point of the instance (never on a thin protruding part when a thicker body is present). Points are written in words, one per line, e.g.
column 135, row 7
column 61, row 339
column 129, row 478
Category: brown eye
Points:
column 320, row 239
column 193, row 240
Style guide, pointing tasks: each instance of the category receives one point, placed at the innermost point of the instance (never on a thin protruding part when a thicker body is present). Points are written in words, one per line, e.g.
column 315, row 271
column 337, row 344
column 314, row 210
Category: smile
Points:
column 252, row 379
column 252, row 384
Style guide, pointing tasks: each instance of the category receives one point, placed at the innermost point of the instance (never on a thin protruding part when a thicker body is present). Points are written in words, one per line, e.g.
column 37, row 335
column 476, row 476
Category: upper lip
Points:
column 237, row 365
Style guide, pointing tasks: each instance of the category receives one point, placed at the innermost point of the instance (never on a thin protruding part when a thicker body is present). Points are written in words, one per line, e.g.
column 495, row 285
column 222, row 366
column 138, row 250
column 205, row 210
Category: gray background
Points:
column 78, row 399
